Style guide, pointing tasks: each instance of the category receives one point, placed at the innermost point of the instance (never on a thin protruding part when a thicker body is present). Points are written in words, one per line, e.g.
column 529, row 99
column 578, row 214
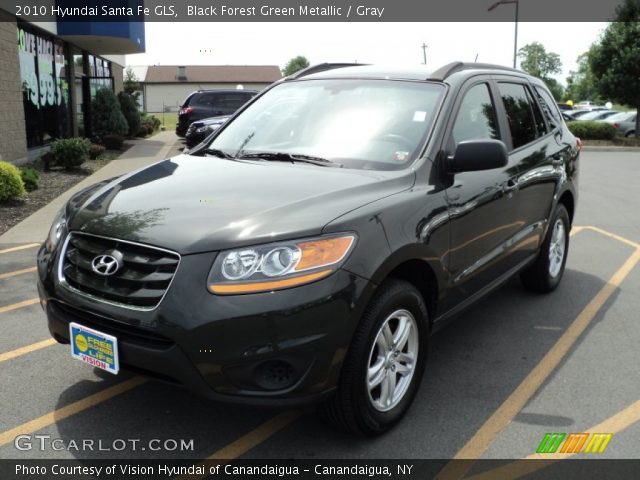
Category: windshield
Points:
column 368, row 124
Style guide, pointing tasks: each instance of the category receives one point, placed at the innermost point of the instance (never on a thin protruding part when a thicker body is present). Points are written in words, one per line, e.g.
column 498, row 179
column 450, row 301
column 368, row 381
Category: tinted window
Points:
column 537, row 114
column 519, row 114
column 476, row 117
column 549, row 108
column 208, row 99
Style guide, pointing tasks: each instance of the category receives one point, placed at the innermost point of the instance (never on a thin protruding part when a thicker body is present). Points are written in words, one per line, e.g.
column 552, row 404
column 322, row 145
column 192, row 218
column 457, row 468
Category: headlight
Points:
column 56, row 231
column 278, row 265
column 203, row 129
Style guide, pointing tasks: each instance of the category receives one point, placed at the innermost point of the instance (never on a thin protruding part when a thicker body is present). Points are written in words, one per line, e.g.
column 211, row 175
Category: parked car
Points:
column 201, row 129
column 565, row 106
column 596, row 115
column 575, row 114
column 307, row 250
column 624, row 122
column 210, row 103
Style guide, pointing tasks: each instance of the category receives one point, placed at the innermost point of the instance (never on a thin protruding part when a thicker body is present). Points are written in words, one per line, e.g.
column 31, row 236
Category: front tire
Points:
column 545, row 273
column 385, row 363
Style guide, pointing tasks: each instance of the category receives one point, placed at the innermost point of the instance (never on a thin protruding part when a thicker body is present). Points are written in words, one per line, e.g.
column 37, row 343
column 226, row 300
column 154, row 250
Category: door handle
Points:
column 557, row 160
column 510, row 185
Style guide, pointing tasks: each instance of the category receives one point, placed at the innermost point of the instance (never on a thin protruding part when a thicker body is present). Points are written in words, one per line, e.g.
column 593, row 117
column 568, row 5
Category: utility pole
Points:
column 424, row 52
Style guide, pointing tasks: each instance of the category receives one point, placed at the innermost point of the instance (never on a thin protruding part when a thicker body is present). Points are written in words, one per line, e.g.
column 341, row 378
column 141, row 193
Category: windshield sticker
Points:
column 401, row 157
column 419, row 116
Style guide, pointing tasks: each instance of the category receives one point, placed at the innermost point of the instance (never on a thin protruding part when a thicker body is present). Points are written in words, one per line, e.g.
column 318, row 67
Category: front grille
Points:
column 122, row 331
column 141, row 281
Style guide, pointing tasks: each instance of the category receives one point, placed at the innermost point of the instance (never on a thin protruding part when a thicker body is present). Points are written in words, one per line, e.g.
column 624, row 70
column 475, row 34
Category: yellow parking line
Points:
column 614, row 236
column 15, row 306
column 519, row 468
column 69, row 410
column 16, row 272
column 487, row 433
column 255, row 437
column 575, row 230
column 21, row 247
column 26, row 349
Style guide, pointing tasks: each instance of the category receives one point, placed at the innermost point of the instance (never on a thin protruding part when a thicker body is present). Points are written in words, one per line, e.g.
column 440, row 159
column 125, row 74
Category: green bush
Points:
column 70, row 152
column 592, row 130
column 95, row 151
column 30, row 178
column 130, row 111
column 107, row 115
column 11, row 185
column 113, row 141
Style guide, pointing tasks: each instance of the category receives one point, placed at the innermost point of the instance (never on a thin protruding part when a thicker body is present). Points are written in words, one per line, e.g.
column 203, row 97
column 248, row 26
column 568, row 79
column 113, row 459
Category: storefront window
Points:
column 45, row 86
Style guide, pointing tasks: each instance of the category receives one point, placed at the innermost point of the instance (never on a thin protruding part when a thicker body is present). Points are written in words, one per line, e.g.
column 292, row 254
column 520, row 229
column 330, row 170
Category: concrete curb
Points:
column 143, row 152
column 608, row 148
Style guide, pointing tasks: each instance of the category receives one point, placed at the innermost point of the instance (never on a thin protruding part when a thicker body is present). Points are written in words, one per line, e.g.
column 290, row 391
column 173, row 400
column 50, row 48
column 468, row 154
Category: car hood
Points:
column 196, row 204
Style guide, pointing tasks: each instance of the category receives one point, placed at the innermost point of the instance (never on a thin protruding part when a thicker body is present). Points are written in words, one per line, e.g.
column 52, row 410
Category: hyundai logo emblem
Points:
column 105, row 265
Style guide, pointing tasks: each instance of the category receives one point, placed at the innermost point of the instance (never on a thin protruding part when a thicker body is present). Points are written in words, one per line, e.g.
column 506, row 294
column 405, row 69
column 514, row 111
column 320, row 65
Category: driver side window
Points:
column 476, row 119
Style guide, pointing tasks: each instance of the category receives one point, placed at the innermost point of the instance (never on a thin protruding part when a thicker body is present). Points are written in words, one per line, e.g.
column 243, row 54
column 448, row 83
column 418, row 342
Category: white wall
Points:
column 173, row 95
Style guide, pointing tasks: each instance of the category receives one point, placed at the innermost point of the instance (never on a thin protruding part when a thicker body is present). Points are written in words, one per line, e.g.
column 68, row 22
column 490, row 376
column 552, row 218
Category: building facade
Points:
column 50, row 71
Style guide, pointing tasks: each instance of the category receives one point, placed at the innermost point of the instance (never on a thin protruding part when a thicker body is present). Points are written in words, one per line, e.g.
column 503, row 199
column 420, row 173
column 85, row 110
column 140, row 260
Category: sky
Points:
column 255, row 43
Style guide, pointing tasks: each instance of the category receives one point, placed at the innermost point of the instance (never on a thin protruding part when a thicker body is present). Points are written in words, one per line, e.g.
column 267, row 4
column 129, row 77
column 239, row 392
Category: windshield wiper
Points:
column 290, row 157
column 218, row 153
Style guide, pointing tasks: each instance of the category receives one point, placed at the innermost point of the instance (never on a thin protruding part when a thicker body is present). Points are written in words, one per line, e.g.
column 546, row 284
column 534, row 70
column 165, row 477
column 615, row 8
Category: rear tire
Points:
column 385, row 362
column 545, row 273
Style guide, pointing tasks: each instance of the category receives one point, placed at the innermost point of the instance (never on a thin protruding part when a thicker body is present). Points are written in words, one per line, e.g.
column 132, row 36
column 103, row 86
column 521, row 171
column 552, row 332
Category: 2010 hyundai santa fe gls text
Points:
column 307, row 249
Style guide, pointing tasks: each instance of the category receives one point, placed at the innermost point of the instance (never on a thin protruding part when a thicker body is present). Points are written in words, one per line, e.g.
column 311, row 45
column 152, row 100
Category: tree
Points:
column 129, row 109
column 131, row 84
column 107, row 115
column 615, row 62
column 536, row 61
column 581, row 83
column 294, row 65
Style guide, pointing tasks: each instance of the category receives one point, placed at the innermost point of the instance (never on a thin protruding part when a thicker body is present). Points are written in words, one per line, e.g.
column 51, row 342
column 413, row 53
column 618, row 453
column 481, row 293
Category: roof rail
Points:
column 451, row 68
column 321, row 67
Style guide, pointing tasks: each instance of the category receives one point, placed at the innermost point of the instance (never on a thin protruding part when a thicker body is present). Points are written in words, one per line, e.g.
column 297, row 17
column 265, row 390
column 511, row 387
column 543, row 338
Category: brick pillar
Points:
column 13, row 137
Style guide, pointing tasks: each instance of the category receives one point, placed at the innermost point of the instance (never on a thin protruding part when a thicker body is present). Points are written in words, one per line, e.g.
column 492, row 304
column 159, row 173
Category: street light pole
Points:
column 515, row 40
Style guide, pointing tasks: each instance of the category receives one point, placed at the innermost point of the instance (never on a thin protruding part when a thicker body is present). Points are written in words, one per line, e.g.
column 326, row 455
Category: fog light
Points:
column 275, row 375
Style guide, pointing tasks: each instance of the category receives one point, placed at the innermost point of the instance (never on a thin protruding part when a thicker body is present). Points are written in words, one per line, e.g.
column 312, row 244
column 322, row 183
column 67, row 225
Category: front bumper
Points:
column 278, row 348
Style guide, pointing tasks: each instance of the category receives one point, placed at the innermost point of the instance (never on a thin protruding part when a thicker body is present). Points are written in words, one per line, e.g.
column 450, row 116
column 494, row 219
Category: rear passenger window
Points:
column 549, row 108
column 537, row 115
column 476, row 118
column 519, row 113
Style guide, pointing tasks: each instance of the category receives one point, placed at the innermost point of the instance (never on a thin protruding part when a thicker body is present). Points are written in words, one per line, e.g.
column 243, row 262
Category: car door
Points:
column 539, row 154
column 482, row 204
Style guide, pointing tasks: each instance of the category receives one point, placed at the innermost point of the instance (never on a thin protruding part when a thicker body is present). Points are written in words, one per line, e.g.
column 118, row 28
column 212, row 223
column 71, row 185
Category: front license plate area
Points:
column 94, row 348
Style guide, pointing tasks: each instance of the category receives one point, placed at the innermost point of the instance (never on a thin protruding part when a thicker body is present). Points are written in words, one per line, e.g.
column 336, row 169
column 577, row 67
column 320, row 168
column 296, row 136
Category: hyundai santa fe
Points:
column 307, row 250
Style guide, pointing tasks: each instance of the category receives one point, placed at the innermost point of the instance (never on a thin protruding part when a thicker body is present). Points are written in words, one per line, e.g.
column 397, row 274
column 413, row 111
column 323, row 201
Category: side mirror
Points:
column 474, row 155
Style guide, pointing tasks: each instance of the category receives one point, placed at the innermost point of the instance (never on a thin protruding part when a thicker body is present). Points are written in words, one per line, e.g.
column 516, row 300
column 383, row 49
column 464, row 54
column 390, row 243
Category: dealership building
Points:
column 49, row 71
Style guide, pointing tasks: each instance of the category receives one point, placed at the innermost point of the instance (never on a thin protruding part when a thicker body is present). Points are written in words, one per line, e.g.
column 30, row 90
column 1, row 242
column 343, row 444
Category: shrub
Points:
column 70, row 152
column 130, row 111
column 113, row 141
column 95, row 151
column 107, row 115
column 155, row 121
column 30, row 178
column 11, row 185
column 592, row 130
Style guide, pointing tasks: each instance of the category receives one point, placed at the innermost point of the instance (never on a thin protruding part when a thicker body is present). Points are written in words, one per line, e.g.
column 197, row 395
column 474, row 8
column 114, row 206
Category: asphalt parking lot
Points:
column 511, row 369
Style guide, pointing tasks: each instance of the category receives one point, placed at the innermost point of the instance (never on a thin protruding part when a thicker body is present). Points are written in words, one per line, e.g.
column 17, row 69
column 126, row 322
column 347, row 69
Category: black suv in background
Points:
column 310, row 247
column 210, row 103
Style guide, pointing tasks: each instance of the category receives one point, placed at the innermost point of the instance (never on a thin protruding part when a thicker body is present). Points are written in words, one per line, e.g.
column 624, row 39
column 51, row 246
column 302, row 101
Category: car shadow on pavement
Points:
column 474, row 365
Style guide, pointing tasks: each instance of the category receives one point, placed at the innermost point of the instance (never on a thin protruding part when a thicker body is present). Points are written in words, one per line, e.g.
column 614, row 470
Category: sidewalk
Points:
column 143, row 152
